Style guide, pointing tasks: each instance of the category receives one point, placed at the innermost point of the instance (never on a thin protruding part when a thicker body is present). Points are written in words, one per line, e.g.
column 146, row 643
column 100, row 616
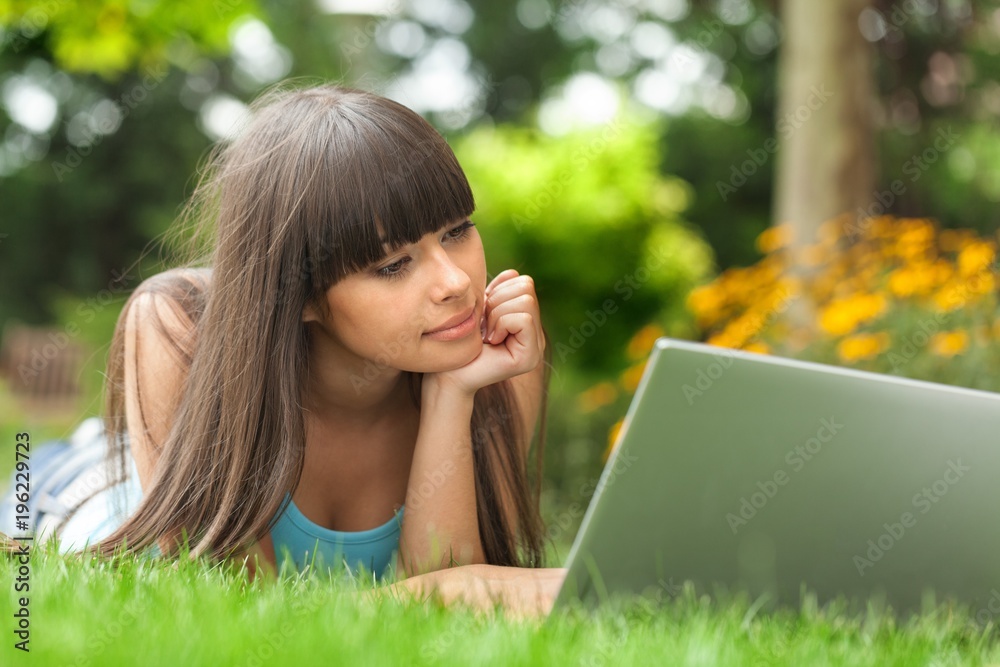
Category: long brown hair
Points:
column 295, row 203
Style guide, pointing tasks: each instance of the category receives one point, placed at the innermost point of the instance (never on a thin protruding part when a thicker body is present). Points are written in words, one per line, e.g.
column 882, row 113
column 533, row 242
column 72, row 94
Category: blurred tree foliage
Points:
column 709, row 63
column 110, row 37
column 936, row 75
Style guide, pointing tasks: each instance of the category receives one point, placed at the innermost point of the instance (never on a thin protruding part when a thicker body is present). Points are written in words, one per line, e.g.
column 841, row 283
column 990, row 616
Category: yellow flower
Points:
column 881, row 227
column 632, row 375
column 943, row 272
column 612, row 436
column 721, row 339
column 983, row 283
column 707, row 302
column 735, row 334
column 950, row 343
column 959, row 294
column 950, row 297
column 915, row 239
column 776, row 300
column 773, row 238
column 844, row 315
column 599, row 395
column 642, row 342
column 975, row 257
column 757, row 347
column 913, row 279
column 862, row 346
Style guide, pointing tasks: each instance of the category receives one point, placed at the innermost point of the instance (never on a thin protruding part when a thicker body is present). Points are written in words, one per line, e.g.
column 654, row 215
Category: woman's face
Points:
column 383, row 314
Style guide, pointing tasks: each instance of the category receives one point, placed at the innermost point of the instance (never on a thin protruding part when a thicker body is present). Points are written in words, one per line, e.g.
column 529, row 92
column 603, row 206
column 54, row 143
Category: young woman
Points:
column 336, row 382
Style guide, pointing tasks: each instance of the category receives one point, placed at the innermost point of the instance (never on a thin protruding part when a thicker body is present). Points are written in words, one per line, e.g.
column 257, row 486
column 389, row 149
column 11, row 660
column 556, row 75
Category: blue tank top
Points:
column 296, row 537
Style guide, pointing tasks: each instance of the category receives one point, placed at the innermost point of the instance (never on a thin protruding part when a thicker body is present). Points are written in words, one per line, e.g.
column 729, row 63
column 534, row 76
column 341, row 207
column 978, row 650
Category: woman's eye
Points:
column 461, row 231
column 398, row 269
column 394, row 270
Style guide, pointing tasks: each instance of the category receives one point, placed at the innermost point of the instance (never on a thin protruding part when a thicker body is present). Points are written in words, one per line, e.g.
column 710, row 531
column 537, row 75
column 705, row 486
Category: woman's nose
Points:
column 450, row 279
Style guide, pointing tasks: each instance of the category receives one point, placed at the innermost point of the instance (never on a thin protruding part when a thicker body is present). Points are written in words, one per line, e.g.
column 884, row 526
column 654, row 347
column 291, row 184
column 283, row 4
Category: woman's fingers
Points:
column 520, row 326
column 522, row 285
column 523, row 303
column 516, row 332
column 499, row 278
column 514, row 285
column 516, row 294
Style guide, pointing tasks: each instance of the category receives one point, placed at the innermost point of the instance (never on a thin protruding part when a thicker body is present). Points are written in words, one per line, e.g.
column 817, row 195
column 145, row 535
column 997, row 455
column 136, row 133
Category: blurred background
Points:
column 790, row 177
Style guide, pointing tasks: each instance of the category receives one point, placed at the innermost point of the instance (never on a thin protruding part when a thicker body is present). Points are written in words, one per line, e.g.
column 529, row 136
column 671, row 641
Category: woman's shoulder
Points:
column 158, row 332
column 177, row 282
column 173, row 299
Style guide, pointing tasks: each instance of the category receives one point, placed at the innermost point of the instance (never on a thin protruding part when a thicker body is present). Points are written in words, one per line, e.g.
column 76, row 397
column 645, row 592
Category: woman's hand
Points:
column 513, row 342
column 522, row 593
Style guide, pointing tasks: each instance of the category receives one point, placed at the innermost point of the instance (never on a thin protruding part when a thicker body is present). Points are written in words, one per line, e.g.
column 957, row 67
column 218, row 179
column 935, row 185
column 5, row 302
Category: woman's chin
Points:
column 459, row 356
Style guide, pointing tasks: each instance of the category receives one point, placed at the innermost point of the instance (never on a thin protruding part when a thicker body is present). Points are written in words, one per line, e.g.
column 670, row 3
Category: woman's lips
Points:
column 461, row 330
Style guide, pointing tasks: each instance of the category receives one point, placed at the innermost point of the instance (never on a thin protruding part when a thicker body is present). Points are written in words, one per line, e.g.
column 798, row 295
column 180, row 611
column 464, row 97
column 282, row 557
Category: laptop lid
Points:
column 746, row 472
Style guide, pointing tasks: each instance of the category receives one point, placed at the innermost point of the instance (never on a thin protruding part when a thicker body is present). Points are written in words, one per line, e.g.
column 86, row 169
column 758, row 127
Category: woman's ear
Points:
column 309, row 313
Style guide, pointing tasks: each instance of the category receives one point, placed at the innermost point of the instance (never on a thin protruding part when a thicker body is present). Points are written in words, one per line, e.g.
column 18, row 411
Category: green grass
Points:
column 90, row 613
column 146, row 612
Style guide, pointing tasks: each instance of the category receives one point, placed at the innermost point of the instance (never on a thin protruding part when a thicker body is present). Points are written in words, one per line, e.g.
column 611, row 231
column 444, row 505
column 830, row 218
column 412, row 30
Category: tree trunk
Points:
column 826, row 92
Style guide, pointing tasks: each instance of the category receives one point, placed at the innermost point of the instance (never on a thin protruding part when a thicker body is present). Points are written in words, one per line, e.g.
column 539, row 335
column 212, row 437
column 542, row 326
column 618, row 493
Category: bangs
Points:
column 387, row 176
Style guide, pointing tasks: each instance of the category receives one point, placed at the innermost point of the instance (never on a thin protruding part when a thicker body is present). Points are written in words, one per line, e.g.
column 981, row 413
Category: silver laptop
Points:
column 749, row 474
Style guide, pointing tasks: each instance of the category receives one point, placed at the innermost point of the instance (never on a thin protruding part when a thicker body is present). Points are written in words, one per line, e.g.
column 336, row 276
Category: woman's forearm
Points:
column 440, row 525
